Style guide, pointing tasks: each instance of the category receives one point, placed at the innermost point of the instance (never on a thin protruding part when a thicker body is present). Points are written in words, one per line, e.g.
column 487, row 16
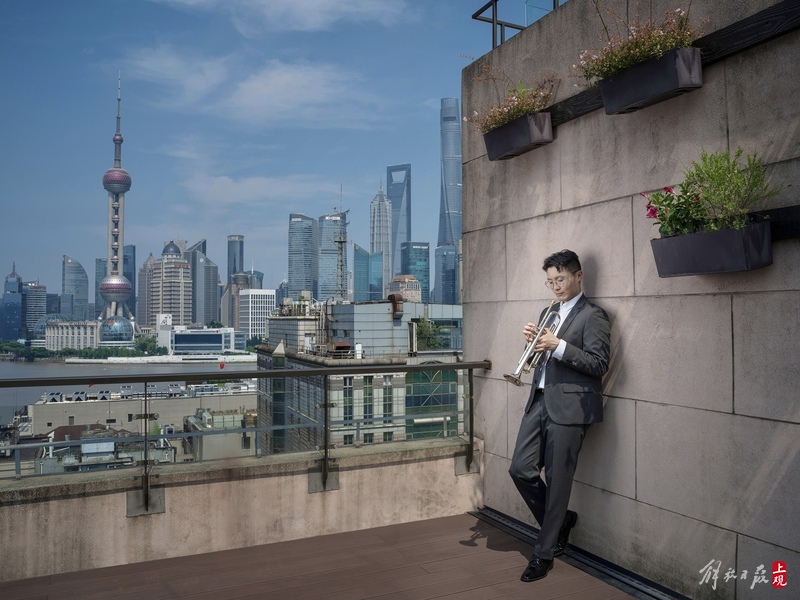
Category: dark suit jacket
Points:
column 573, row 393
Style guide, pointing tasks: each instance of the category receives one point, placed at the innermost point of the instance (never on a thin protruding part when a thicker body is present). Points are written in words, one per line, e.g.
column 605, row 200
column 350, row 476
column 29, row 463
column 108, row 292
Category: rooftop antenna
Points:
column 341, row 242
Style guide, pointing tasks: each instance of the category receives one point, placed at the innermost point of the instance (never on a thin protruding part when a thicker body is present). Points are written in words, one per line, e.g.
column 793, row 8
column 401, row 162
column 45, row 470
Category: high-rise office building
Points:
column 229, row 302
column 448, row 269
column 11, row 314
column 145, row 286
column 398, row 189
column 170, row 287
column 450, row 197
column 115, row 289
column 380, row 234
column 415, row 260
column 235, row 256
column 303, row 255
column 129, row 271
column 378, row 288
column 360, row 274
column 74, row 281
column 205, row 284
column 255, row 306
column 34, row 302
column 447, row 259
column 332, row 262
column 256, row 279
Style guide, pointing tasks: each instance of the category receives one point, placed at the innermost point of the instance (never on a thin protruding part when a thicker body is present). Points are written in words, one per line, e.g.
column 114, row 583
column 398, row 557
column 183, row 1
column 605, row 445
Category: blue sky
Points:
column 234, row 114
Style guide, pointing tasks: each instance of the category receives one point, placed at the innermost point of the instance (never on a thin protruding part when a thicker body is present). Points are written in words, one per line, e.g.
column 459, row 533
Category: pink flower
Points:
column 669, row 190
column 652, row 212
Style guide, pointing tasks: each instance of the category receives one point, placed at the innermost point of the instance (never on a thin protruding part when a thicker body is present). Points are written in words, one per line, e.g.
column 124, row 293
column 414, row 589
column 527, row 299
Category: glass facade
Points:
column 380, row 233
column 450, row 202
column 332, row 250
column 75, row 281
column 446, row 256
column 303, row 255
column 235, row 256
column 129, row 272
column 360, row 274
column 205, row 284
column 447, row 266
column 416, row 261
column 376, row 280
column 398, row 189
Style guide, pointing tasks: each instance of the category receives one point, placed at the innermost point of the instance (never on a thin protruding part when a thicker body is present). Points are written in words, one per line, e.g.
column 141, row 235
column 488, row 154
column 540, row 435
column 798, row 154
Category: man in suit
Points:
column 566, row 397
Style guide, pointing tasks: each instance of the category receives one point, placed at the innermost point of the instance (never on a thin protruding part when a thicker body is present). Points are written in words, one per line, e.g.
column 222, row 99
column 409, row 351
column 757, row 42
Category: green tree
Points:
column 429, row 336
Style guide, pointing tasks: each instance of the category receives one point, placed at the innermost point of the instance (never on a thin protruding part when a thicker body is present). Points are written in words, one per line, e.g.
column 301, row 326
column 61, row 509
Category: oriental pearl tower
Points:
column 115, row 289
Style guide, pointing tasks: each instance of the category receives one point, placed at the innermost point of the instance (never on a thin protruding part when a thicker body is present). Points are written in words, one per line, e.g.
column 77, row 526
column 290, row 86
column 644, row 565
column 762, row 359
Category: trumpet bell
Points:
column 511, row 378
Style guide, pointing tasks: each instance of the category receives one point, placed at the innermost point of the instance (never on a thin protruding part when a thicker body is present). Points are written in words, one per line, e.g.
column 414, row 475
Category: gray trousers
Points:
column 541, row 443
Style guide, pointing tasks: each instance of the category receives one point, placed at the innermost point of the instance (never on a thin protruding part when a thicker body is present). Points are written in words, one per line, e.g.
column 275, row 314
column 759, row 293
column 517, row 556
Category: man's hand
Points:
column 546, row 341
column 529, row 331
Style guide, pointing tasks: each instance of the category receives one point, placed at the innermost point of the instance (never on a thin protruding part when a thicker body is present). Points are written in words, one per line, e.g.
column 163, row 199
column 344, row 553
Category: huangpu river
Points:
column 13, row 399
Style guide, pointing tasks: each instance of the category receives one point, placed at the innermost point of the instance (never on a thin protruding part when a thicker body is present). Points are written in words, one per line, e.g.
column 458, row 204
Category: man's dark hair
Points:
column 566, row 260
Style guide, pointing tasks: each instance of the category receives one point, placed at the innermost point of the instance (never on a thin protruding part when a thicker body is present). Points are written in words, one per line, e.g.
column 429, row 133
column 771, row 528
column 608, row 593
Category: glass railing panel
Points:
column 155, row 421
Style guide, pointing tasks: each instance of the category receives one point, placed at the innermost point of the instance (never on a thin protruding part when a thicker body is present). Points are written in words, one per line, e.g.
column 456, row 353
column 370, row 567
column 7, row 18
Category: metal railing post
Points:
column 326, row 432
column 471, row 437
column 146, row 475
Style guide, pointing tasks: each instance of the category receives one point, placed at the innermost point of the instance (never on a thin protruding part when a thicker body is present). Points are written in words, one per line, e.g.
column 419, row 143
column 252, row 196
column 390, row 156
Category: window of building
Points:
column 387, row 398
column 387, row 436
column 347, row 400
column 369, row 400
column 369, row 438
column 348, row 440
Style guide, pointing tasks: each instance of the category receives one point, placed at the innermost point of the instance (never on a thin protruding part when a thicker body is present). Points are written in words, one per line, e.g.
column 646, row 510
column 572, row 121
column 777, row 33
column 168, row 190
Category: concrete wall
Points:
column 698, row 457
column 79, row 521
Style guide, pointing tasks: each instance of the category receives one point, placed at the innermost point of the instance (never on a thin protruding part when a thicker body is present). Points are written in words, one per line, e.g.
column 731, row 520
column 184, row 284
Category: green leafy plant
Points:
column 640, row 41
column 429, row 336
column 514, row 99
column 716, row 193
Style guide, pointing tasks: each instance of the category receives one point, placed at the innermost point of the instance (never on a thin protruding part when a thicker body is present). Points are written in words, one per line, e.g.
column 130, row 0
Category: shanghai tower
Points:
column 450, row 204
column 446, row 260
column 115, row 289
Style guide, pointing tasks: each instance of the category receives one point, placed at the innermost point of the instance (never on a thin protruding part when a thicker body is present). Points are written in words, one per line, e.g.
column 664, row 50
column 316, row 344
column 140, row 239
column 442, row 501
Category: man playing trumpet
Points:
column 566, row 397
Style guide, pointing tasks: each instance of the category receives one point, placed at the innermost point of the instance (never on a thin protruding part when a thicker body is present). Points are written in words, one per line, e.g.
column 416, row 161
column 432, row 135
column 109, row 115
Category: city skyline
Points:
column 235, row 116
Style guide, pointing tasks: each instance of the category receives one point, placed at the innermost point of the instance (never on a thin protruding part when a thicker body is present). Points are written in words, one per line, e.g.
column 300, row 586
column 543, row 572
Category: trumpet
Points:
column 530, row 359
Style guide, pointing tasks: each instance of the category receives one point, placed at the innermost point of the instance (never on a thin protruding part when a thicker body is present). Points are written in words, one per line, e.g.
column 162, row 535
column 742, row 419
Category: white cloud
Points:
column 301, row 95
column 251, row 17
column 188, row 80
column 222, row 192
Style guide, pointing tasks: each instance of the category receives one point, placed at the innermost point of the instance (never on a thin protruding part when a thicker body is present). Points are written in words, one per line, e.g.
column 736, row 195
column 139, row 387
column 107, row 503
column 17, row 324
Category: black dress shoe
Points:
column 537, row 569
column 563, row 533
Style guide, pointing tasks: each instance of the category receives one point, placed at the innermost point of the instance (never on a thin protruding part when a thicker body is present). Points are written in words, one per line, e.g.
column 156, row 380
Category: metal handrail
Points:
column 326, row 373
column 225, row 374
column 478, row 16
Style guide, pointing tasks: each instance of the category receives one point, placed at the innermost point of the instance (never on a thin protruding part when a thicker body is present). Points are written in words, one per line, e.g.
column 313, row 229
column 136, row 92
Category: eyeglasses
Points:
column 558, row 281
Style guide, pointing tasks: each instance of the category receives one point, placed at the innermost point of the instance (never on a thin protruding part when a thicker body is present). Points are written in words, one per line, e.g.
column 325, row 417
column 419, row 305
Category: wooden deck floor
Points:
column 457, row 558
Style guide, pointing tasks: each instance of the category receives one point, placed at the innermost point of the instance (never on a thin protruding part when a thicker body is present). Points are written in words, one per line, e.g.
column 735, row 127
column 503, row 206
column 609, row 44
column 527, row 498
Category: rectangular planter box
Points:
column 725, row 251
column 678, row 71
column 519, row 136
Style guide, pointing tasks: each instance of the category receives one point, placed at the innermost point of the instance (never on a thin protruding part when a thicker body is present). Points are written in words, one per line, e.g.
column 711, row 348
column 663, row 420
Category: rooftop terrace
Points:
column 458, row 557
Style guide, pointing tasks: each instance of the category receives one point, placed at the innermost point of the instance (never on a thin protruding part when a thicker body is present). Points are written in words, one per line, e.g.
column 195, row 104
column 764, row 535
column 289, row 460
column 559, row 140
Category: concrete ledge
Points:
column 229, row 504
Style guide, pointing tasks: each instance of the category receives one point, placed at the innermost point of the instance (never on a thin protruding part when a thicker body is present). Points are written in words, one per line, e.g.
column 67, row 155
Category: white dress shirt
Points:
column 558, row 353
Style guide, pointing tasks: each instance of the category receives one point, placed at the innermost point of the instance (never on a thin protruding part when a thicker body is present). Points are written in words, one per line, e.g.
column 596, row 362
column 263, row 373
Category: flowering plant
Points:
column 641, row 41
column 715, row 194
column 515, row 101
